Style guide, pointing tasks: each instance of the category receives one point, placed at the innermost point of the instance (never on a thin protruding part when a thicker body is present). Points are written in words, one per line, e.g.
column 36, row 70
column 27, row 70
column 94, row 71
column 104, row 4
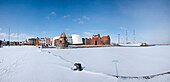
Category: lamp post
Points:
column 115, row 61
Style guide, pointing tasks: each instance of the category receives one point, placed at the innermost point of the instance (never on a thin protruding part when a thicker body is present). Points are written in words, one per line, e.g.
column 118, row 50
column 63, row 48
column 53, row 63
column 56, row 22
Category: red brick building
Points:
column 47, row 41
column 97, row 40
column 62, row 41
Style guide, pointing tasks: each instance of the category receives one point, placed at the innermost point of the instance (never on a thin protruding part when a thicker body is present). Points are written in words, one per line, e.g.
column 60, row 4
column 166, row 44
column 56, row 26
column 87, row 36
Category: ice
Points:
column 30, row 64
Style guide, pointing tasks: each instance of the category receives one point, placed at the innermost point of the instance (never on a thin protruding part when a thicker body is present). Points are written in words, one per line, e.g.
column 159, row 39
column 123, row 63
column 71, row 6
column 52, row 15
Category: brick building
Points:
column 62, row 41
column 47, row 41
column 106, row 40
column 97, row 40
column 34, row 41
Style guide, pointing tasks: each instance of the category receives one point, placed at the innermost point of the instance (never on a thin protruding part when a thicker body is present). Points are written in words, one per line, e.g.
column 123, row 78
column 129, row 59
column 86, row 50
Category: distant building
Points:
column 34, row 41
column 39, row 41
column 42, row 41
column 76, row 39
column 97, row 40
column 106, row 40
column 62, row 41
column 54, row 42
column 69, row 40
column 14, row 43
column 47, row 41
column 0, row 43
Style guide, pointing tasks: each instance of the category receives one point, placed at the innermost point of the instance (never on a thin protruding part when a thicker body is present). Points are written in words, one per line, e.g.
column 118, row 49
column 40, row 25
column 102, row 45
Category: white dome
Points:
column 77, row 39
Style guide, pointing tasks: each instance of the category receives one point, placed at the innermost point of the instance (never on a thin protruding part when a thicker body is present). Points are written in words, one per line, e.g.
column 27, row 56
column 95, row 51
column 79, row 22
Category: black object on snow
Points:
column 77, row 66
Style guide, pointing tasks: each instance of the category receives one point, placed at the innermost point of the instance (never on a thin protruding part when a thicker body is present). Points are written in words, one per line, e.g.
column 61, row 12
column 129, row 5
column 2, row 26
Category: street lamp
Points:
column 115, row 61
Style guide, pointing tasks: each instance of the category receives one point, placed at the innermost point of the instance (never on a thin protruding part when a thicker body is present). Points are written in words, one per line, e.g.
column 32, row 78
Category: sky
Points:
column 49, row 18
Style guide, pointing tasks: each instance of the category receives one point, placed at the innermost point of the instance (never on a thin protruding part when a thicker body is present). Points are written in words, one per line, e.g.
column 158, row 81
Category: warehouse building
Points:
column 97, row 40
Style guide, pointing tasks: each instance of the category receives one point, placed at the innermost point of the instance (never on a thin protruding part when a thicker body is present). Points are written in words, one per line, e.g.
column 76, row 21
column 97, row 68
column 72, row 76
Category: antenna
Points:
column 9, row 35
column 126, row 36
column 134, row 36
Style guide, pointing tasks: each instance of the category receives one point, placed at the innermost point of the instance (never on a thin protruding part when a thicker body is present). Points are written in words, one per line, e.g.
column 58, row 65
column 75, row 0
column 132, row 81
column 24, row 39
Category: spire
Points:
column 63, row 35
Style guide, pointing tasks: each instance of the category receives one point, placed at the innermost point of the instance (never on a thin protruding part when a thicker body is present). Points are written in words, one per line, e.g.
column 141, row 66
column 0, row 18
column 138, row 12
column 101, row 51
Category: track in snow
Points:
column 105, row 74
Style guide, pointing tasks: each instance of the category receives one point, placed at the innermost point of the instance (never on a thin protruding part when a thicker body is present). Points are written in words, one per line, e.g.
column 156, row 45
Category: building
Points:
column 62, row 41
column 54, row 42
column 97, row 40
column 69, row 40
column 87, row 41
column 42, row 41
column 47, row 41
column 77, row 39
column 106, row 40
column 0, row 43
column 34, row 41
column 14, row 43
column 39, row 41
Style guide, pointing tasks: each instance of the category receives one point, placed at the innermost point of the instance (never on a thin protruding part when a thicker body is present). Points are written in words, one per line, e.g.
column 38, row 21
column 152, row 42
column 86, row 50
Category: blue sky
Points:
column 49, row 18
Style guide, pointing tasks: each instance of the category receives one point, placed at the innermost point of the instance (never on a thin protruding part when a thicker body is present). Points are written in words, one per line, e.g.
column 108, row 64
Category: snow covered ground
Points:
column 29, row 64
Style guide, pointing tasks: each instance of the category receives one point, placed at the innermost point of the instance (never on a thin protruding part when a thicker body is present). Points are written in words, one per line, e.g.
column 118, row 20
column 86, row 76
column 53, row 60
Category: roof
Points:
column 63, row 35
column 96, row 35
column 106, row 37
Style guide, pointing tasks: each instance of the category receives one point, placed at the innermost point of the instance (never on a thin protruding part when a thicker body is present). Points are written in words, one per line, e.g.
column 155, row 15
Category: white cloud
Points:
column 66, row 16
column 15, row 35
column 81, row 22
column 53, row 13
column 87, row 33
column 78, row 20
column 3, row 34
column 85, row 17
column 123, row 28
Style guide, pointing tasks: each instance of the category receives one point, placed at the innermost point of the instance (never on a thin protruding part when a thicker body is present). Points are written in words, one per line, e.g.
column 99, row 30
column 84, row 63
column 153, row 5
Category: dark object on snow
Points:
column 77, row 66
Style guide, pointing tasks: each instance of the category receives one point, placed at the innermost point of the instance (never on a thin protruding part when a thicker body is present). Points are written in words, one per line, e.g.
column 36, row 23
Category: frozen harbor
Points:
column 29, row 64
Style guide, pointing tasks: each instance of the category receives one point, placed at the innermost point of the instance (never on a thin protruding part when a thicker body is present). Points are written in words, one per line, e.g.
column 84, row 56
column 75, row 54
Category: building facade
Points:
column 34, row 41
column 47, row 41
column 54, row 42
column 77, row 39
column 0, row 43
column 42, row 41
column 62, row 41
column 97, row 40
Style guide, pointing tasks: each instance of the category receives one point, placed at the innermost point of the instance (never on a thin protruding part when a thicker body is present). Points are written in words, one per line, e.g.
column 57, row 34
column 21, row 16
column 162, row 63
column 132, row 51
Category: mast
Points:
column 118, row 38
column 134, row 36
column 9, row 35
column 126, row 36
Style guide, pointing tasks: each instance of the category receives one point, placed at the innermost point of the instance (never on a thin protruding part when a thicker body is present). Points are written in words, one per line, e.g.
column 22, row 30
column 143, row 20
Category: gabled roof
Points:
column 106, row 37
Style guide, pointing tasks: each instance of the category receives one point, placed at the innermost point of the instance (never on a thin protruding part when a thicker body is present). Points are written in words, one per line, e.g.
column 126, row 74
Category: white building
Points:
column 54, row 38
column 76, row 39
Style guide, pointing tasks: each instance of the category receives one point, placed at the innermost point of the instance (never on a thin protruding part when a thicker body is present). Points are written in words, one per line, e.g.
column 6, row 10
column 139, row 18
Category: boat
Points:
column 129, row 44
